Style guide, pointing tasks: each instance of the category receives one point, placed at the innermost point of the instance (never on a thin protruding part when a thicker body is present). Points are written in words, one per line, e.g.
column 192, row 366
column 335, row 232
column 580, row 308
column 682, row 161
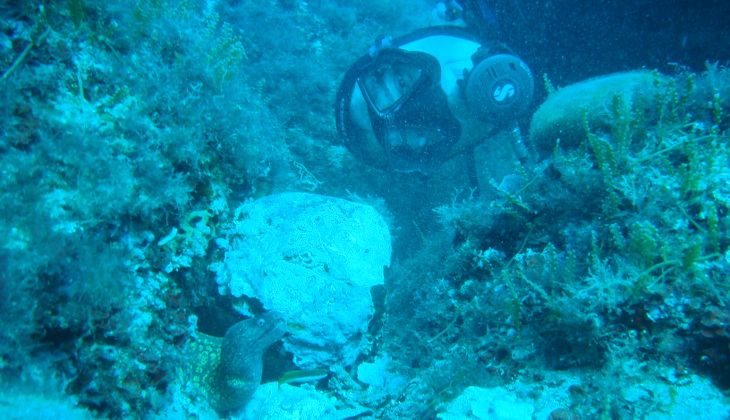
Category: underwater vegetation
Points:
column 132, row 130
column 612, row 257
column 104, row 151
column 127, row 128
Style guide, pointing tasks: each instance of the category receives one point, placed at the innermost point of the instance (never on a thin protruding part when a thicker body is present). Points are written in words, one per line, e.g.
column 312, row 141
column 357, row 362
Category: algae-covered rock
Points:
column 313, row 259
column 565, row 113
column 283, row 402
column 477, row 403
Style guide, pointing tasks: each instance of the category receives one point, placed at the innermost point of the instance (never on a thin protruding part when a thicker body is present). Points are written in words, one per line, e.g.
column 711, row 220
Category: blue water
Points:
column 565, row 260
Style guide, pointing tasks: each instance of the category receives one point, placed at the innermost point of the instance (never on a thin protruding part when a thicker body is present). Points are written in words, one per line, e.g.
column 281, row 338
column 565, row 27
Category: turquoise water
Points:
column 147, row 153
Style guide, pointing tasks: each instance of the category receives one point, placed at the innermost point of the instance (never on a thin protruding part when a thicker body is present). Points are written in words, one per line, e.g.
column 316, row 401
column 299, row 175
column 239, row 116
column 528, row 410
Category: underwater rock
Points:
column 379, row 378
column 693, row 398
column 273, row 401
column 566, row 112
column 19, row 405
column 313, row 259
column 487, row 403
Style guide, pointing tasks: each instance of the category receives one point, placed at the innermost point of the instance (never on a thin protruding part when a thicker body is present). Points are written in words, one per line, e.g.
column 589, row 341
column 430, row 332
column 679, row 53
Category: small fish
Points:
column 301, row 376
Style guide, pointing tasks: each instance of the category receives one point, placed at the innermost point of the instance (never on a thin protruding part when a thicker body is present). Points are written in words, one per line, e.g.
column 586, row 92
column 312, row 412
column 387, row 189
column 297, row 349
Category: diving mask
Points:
column 408, row 112
column 405, row 104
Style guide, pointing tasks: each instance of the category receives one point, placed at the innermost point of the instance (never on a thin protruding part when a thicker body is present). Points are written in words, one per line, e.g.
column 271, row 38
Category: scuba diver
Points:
column 416, row 101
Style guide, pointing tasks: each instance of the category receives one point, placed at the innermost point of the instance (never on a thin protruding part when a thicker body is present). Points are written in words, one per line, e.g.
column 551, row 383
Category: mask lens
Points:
column 389, row 84
column 415, row 149
column 414, row 139
column 411, row 128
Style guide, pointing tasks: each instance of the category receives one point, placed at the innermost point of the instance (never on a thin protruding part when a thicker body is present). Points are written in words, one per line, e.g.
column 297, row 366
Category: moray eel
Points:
column 228, row 370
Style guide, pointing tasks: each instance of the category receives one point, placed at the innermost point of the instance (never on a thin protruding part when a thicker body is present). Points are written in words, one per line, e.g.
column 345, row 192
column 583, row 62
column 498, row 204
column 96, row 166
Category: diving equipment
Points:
column 404, row 106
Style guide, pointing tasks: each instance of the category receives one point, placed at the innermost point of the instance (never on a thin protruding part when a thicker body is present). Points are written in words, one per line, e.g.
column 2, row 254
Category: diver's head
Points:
column 396, row 114
column 403, row 106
